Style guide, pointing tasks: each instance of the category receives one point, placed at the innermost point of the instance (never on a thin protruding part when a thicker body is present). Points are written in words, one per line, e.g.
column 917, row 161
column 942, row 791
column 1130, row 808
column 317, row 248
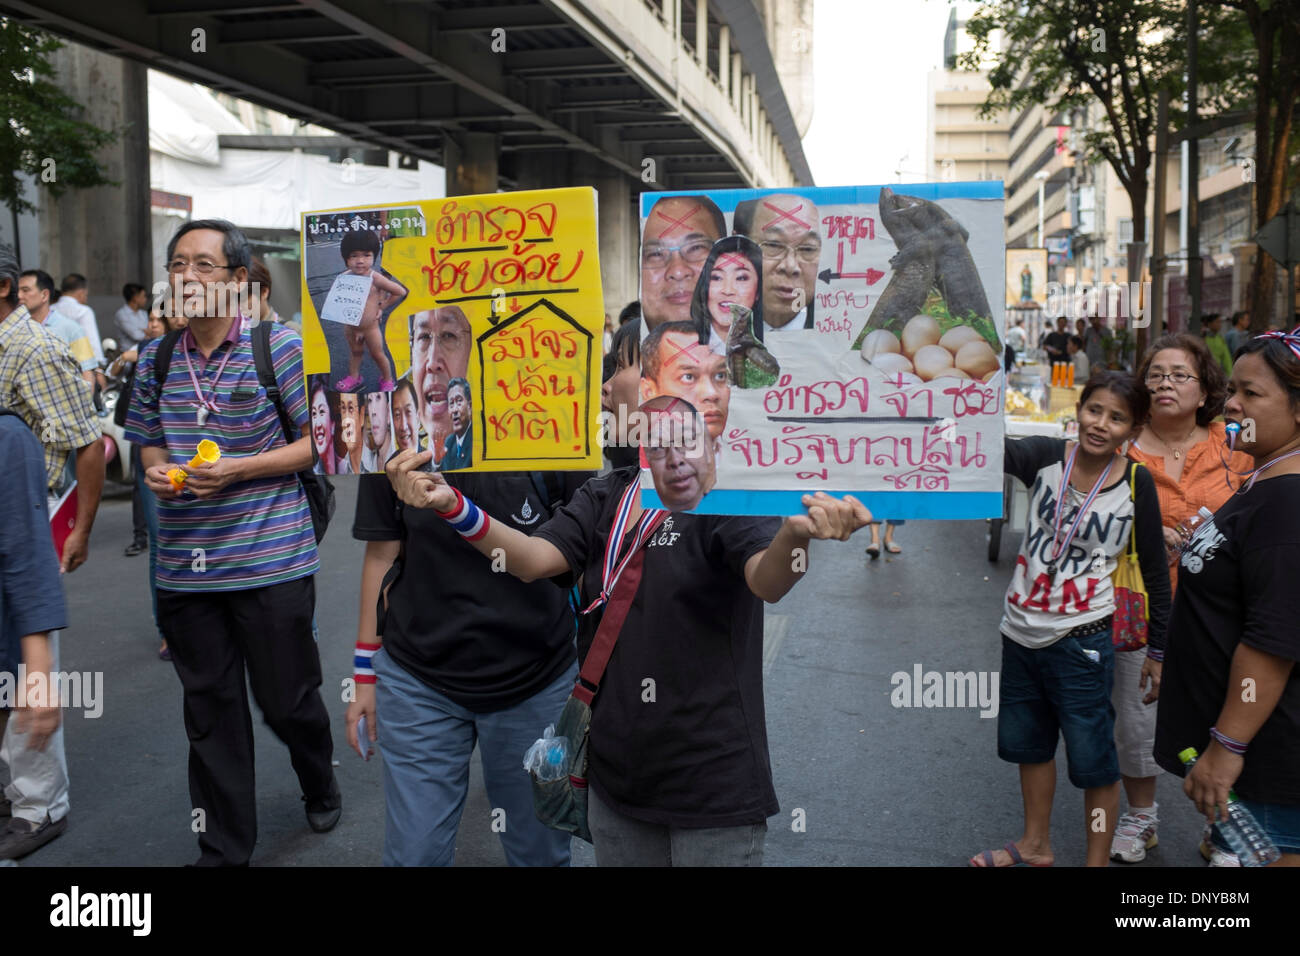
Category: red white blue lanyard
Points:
column 1063, row 546
column 205, row 404
column 613, row 567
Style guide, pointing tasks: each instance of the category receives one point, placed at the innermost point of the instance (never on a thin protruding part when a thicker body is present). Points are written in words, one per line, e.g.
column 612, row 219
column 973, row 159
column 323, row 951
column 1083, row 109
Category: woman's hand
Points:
column 419, row 489
column 1208, row 782
column 363, row 705
column 1173, row 543
column 1150, row 672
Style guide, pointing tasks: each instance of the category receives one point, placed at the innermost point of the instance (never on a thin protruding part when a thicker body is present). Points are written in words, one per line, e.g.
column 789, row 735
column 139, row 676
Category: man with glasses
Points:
column 678, row 233
column 785, row 227
column 236, row 550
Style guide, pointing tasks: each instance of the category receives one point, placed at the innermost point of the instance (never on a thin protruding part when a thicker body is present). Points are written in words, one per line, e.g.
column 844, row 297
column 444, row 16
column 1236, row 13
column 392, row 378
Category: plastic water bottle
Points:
column 1242, row 832
column 1188, row 527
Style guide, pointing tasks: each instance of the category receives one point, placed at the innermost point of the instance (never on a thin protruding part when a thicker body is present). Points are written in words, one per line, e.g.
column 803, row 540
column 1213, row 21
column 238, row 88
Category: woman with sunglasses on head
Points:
column 1231, row 689
column 1184, row 448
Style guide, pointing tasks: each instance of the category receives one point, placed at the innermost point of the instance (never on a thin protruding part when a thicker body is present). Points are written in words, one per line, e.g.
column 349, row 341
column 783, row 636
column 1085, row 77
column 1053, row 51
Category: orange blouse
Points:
column 1201, row 484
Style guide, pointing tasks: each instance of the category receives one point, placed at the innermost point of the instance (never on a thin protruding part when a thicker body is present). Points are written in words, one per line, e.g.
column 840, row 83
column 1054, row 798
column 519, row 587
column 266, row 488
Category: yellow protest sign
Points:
column 469, row 326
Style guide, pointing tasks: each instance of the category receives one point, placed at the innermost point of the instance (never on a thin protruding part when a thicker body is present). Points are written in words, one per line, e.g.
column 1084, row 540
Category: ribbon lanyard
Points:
column 206, row 405
column 1250, row 481
column 1063, row 546
column 613, row 567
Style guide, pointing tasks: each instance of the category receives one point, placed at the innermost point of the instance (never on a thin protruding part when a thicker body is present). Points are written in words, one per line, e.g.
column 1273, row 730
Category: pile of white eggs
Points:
column 924, row 352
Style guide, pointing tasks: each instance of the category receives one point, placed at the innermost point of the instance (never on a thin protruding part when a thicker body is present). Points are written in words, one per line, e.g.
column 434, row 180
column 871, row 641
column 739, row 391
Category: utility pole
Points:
column 1156, row 306
column 1191, row 201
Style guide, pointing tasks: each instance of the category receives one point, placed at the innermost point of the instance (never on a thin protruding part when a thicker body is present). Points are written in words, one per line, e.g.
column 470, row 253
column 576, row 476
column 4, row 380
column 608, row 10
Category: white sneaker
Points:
column 1213, row 855
column 1134, row 835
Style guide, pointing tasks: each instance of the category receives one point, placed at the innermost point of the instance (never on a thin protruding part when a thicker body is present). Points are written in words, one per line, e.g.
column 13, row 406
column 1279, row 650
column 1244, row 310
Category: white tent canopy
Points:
column 265, row 189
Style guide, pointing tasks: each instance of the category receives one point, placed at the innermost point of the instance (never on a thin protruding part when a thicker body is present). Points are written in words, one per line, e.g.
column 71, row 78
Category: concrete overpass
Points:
column 623, row 95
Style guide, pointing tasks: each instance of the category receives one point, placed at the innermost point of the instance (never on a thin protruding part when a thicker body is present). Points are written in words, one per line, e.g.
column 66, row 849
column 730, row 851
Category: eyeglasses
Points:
column 693, row 251
column 804, row 252
column 203, row 266
column 1154, row 379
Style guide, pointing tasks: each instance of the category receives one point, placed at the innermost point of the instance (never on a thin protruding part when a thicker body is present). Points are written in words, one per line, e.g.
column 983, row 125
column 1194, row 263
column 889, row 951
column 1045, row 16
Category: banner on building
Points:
column 848, row 340
column 468, row 326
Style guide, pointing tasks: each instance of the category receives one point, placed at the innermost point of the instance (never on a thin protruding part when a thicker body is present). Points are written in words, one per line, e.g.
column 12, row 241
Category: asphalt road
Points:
column 860, row 781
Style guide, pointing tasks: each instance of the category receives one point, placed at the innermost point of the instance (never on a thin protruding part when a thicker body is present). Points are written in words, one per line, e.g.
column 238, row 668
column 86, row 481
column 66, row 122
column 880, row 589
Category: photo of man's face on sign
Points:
column 679, row 451
column 440, row 349
column 673, row 362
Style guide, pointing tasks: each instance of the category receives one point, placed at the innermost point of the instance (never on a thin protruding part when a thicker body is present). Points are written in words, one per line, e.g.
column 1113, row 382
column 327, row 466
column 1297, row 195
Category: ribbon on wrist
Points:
column 1228, row 743
column 362, row 667
column 466, row 518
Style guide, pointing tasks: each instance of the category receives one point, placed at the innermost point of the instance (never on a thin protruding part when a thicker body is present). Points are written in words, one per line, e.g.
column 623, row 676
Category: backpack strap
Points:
column 162, row 360
column 261, row 335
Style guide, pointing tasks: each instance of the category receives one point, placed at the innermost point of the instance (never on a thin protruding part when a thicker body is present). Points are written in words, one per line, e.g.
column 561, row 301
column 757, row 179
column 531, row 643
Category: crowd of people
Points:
column 506, row 559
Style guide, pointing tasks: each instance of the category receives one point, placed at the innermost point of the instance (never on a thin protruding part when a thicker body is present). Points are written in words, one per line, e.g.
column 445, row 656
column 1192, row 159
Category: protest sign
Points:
column 845, row 339
column 477, row 331
column 347, row 296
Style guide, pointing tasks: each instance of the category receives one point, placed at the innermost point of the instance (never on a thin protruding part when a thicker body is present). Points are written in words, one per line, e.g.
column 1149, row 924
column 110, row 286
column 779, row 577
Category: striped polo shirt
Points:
column 252, row 533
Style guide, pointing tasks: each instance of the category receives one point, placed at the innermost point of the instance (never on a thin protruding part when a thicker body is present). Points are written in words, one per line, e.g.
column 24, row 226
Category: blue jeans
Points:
column 426, row 740
column 1062, row 690
column 149, row 504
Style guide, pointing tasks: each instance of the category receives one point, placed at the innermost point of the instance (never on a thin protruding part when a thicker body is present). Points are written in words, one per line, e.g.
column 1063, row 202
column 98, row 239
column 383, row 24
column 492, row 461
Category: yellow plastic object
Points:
column 207, row 453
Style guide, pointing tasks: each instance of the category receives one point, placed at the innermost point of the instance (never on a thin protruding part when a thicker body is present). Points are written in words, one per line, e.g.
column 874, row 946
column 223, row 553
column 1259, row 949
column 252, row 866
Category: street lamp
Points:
column 1041, row 176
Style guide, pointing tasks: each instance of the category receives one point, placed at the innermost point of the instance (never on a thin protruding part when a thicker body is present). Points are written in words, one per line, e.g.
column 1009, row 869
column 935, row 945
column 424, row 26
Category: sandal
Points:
column 1016, row 859
column 387, row 385
column 893, row 548
column 874, row 551
column 347, row 384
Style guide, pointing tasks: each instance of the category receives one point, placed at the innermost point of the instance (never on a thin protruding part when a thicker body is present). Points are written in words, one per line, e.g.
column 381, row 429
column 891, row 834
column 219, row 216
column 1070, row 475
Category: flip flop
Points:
column 1016, row 859
column 893, row 548
column 874, row 551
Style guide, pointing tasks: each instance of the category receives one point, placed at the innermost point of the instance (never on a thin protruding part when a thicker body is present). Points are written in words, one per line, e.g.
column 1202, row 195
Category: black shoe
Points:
column 135, row 547
column 324, row 812
column 21, row 836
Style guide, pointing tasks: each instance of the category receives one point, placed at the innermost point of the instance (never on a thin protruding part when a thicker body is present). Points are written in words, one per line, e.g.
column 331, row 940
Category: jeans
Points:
column 1062, row 690
column 624, row 841
column 36, row 781
column 426, row 740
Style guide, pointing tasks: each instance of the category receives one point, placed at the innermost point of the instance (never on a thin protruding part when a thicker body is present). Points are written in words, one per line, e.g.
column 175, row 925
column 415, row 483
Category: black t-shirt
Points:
column 1056, row 344
column 484, row 638
column 689, row 749
column 1237, row 584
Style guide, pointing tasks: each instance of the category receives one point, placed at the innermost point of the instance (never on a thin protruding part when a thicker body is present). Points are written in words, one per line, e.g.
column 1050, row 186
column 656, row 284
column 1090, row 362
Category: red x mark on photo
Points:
column 787, row 214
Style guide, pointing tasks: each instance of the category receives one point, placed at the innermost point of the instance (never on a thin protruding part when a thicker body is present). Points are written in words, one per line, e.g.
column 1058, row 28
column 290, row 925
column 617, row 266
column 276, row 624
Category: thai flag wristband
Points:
column 1156, row 654
column 466, row 519
column 362, row 667
column 1228, row 743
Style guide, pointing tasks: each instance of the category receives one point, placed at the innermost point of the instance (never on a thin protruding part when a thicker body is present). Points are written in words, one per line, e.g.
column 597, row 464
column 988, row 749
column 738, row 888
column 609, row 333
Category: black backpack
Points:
column 319, row 489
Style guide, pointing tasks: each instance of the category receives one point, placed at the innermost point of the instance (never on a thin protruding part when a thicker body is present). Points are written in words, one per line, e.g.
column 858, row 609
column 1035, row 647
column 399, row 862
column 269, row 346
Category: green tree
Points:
column 1073, row 54
column 44, row 135
column 1274, row 79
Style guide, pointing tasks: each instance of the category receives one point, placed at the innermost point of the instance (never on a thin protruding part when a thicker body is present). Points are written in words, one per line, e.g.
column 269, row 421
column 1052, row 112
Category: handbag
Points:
column 1129, row 631
column 562, row 804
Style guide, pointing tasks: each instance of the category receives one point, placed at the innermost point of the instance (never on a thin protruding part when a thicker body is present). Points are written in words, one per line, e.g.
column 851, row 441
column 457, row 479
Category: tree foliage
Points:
column 1113, row 56
column 44, row 134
